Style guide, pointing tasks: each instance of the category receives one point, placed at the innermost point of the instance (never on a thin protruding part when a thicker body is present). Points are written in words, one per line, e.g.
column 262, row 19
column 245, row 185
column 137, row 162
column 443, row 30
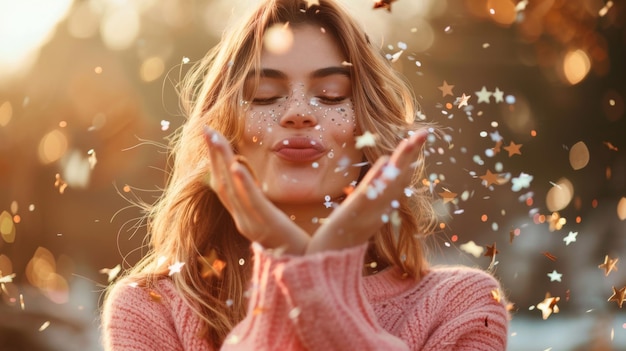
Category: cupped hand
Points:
column 255, row 216
column 372, row 202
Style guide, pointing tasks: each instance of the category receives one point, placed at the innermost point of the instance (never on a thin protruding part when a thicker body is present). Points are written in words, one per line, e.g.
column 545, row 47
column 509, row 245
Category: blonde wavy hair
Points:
column 188, row 221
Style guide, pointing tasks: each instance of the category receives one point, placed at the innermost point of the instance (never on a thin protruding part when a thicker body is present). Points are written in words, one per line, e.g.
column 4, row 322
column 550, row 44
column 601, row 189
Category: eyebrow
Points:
column 319, row 73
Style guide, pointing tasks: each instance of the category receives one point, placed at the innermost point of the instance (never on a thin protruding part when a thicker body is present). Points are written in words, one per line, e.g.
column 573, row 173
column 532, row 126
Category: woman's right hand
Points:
column 255, row 216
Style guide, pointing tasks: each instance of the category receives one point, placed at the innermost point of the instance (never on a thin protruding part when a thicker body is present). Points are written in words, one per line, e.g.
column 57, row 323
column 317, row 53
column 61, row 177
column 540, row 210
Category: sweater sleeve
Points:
column 328, row 306
column 267, row 325
column 470, row 317
column 135, row 320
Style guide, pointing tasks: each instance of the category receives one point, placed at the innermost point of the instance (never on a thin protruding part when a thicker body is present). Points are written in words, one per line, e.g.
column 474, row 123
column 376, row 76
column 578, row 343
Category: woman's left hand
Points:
column 370, row 205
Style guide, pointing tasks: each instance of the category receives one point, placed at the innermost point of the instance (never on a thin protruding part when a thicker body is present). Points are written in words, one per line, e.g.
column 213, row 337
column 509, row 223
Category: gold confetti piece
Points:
column 7, row 227
column 447, row 196
column 383, row 4
column 513, row 149
column 609, row 265
column 492, row 251
column 548, row 306
column 579, row 155
column 489, row 178
column 618, row 296
column 496, row 295
column 367, row 139
column 14, row 207
column 549, row 256
column 154, row 296
column 45, row 325
column 446, row 89
column 463, row 100
column 610, row 146
column 22, row 306
column 60, row 183
column 211, row 265
column 621, row 209
column 92, row 159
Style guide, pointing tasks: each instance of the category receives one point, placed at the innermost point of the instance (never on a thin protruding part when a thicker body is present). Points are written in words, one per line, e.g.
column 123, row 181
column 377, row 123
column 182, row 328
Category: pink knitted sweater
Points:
column 322, row 302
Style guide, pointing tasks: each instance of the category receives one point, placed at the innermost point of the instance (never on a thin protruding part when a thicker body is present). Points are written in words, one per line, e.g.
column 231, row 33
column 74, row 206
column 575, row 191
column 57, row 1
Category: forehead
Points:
column 312, row 48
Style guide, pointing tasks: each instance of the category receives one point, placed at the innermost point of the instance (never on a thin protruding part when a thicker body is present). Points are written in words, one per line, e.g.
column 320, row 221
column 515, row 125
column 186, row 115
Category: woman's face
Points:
column 299, row 133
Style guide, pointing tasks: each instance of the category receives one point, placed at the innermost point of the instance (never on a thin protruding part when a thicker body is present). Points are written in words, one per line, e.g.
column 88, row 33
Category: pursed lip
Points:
column 299, row 149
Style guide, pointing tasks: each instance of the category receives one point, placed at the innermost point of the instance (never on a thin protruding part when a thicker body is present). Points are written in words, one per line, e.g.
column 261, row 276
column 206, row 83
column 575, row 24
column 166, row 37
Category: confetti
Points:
column 367, row 139
column 521, row 182
column 610, row 146
column 549, row 256
column 463, row 100
column 165, row 125
column 45, row 325
column 175, row 268
column 548, row 306
column 498, row 95
column 383, row 4
column 60, row 183
column 492, row 251
column 446, row 89
column 471, row 248
column 570, row 238
column 483, row 95
column 447, row 196
column 489, row 178
column 555, row 276
column 618, row 296
column 609, row 265
column 513, row 149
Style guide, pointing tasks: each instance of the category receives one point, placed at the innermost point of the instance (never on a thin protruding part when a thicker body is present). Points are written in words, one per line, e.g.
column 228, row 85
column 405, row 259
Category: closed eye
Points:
column 331, row 100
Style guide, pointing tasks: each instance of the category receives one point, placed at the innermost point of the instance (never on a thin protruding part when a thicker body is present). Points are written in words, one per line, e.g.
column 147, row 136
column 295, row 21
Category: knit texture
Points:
column 322, row 302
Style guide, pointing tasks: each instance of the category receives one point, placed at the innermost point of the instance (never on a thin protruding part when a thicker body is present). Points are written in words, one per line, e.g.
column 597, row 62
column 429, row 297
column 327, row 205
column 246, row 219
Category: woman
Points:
column 292, row 218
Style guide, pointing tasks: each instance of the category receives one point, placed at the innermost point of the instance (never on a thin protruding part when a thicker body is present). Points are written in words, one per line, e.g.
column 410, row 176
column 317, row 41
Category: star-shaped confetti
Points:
column 463, row 100
column 570, row 238
column 498, row 95
column 492, row 251
column 483, row 95
column 367, row 139
column 555, row 276
column 446, row 89
column 384, row 4
column 618, row 296
column 609, row 265
column 211, row 265
column 175, row 268
column 548, row 306
column 513, row 149
column 489, row 178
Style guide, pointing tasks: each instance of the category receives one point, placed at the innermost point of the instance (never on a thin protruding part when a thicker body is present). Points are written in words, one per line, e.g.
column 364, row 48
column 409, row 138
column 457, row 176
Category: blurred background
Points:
column 532, row 162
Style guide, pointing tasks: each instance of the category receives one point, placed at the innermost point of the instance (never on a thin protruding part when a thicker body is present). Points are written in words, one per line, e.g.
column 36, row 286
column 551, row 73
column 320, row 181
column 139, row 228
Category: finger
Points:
column 409, row 149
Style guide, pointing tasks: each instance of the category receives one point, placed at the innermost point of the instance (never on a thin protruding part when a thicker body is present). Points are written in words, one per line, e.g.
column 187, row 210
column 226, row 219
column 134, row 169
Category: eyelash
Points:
column 325, row 100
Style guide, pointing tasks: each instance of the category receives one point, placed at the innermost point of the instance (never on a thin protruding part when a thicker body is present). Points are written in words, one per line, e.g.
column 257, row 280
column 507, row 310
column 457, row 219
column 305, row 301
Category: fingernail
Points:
column 210, row 134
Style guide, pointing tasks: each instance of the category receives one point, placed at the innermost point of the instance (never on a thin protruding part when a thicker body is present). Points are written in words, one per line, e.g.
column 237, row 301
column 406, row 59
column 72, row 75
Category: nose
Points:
column 298, row 115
